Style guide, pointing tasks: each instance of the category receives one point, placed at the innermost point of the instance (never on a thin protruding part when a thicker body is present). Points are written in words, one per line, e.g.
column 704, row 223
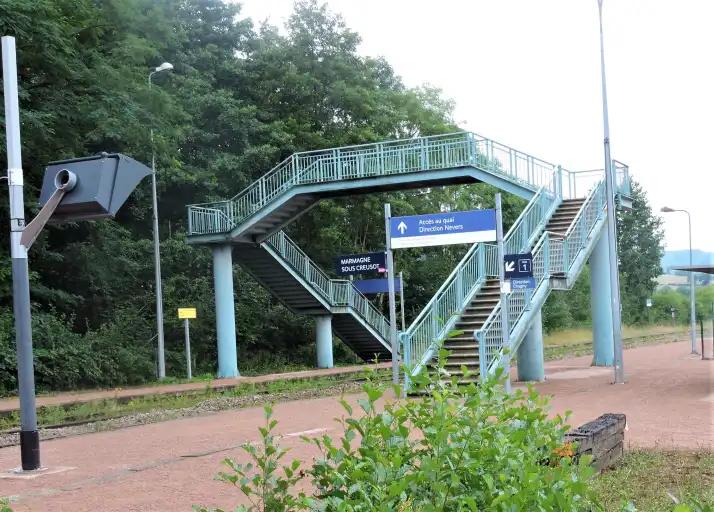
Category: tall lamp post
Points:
column 692, row 299
column 611, row 227
column 166, row 66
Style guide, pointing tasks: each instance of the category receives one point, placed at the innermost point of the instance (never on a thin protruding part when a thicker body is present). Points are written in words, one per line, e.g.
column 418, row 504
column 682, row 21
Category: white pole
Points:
column 505, row 331
column 401, row 298
column 392, row 301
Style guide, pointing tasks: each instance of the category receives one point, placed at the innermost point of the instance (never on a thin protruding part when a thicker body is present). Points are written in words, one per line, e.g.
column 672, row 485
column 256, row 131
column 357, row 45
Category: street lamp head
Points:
column 164, row 67
column 667, row 209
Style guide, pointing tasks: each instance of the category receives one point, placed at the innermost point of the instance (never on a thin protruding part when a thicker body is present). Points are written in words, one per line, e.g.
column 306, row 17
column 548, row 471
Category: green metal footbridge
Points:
column 562, row 225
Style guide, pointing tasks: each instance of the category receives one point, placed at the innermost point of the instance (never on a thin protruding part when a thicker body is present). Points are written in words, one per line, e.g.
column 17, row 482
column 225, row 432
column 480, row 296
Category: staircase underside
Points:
column 300, row 198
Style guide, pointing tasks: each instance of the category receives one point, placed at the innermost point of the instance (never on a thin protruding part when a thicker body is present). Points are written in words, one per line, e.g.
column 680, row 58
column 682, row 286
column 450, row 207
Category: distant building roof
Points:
column 672, row 280
column 704, row 269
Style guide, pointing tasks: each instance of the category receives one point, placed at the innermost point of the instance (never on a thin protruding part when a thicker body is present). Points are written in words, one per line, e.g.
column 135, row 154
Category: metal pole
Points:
column 611, row 226
column 505, row 331
column 29, row 437
column 157, row 258
column 188, row 348
column 401, row 298
column 692, row 294
column 392, row 302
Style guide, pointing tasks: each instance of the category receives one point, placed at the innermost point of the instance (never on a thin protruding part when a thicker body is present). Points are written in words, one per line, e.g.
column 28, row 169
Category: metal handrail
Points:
column 367, row 160
column 420, row 340
column 550, row 256
column 337, row 292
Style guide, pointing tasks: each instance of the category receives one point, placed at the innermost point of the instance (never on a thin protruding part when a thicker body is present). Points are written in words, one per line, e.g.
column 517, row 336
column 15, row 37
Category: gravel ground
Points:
column 206, row 407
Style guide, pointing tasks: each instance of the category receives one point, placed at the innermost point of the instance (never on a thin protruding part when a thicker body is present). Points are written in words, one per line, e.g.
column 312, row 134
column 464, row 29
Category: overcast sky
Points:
column 527, row 73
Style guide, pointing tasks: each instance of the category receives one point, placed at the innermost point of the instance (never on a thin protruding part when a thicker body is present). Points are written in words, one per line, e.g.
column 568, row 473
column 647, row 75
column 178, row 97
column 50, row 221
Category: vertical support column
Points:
column 323, row 335
column 530, row 353
column 600, row 296
column 225, row 311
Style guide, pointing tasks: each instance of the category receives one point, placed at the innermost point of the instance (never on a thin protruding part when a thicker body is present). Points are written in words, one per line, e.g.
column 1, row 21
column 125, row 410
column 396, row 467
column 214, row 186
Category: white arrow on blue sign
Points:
column 466, row 227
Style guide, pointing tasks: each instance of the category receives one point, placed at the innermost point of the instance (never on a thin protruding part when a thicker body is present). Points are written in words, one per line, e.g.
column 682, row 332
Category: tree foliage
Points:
column 240, row 99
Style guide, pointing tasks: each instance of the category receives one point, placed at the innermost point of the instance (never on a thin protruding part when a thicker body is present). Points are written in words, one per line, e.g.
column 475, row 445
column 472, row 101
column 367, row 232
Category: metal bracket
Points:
column 33, row 229
column 64, row 182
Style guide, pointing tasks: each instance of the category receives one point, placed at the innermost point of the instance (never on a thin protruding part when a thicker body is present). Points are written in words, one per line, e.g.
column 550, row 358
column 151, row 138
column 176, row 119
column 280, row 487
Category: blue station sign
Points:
column 465, row 227
column 374, row 286
column 518, row 265
column 367, row 263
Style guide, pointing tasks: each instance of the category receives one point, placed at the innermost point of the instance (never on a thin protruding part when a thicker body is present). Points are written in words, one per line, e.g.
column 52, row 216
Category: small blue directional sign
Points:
column 518, row 265
column 466, row 227
column 522, row 283
column 374, row 286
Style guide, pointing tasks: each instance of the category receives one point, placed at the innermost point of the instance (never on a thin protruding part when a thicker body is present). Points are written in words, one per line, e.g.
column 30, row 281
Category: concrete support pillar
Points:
column 323, row 334
column 225, row 311
column 530, row 353
column 600, row 297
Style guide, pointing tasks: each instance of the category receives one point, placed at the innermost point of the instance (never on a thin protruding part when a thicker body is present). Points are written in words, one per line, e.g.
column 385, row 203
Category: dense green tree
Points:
column 240, row 99
column 639, row 244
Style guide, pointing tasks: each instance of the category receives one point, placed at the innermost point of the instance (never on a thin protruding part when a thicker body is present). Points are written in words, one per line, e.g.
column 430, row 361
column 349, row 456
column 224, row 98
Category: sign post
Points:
column 392, row 302
column 186, row 314
column 401, row 298
column 505, row 288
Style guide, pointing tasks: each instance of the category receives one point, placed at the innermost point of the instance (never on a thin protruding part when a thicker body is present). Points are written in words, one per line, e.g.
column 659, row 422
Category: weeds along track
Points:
column 208, row 405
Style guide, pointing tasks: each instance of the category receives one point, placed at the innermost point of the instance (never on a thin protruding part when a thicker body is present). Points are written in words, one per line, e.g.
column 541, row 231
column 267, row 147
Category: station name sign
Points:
column 373, row 262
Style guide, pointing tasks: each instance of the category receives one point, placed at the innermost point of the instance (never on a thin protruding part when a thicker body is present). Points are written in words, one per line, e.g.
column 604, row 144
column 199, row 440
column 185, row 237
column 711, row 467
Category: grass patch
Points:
column 644, row 477
column 115, row 408
column 578, row 342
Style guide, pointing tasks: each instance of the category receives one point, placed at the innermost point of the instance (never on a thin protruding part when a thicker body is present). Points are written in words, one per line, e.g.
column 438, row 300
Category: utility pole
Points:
column 166, row 66
column 392, row 301
column 29, row 437
column 611, row 223
column 505, row 329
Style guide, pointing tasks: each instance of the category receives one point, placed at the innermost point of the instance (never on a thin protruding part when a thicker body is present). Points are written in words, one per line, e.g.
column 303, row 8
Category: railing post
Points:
column 423, row 156
column 559, row 183
column 338, row 163
column 307, row 268
column 460, row 287
column 483, row 366
column 407, row 351
column 482, row 260
column 190, row 221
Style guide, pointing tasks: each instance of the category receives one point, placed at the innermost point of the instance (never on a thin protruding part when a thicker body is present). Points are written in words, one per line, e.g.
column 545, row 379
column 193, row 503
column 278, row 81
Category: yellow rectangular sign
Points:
column 187, row 312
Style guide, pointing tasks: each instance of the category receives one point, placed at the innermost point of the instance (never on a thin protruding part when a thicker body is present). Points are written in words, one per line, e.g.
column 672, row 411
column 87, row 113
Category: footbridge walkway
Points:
column 561, row 225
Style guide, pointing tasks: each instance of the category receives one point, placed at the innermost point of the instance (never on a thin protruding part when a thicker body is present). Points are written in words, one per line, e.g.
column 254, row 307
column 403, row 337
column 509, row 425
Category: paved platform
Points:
column 70, row 398
column 669, row 401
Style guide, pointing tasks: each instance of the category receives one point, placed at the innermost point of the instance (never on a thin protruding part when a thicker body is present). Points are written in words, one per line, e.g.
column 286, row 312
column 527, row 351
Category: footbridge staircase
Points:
column 560, row 224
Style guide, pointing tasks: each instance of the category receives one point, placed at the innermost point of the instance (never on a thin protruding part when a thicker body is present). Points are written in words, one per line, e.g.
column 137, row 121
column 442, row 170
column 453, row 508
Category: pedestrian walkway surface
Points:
column 668, row 399
column 12, row 404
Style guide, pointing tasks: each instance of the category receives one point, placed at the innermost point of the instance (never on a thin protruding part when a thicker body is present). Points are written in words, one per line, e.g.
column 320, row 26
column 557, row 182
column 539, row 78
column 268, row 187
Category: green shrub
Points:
column 453, row 447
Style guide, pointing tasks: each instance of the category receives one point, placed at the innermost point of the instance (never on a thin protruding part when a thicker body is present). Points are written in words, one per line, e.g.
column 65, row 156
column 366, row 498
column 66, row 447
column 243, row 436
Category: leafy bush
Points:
column 452, row 447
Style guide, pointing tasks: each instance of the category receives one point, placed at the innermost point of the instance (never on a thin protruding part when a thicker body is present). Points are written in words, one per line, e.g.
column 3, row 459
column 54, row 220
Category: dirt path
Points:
column 669, row 400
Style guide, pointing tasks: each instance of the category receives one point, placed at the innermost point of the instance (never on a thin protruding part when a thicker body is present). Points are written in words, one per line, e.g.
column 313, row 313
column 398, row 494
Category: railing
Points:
column 481, row 261
column 337, row 292
column 550, row 256
column 370, row 160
